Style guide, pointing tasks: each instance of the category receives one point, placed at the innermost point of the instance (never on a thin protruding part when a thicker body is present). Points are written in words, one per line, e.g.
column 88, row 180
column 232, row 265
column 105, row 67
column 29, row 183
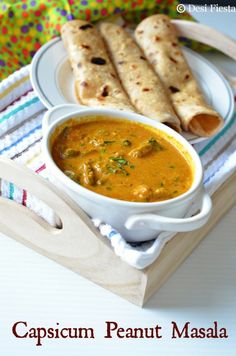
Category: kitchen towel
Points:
column 21, row 115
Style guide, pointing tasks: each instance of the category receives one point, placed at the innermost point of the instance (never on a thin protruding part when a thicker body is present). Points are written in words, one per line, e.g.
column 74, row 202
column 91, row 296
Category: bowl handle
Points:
column 163, row 223
column 59, row 111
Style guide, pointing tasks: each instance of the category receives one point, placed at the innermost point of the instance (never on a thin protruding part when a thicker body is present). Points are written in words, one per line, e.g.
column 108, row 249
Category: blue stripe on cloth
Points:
column 218, row 136
column 19, row 108
column 21, row 138
column 112, row 233
column 11, row 191
column 213, row 174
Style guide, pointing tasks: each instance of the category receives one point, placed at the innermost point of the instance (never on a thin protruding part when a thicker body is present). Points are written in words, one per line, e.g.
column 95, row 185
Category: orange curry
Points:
column 121, row 159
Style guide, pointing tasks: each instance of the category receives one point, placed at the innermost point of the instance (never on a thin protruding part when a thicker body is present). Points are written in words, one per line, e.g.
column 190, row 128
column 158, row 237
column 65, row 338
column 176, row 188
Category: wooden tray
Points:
column 78, row 245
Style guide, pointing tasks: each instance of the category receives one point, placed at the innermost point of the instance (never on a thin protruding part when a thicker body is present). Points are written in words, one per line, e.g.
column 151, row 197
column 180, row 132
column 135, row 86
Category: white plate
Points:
column 53, row 81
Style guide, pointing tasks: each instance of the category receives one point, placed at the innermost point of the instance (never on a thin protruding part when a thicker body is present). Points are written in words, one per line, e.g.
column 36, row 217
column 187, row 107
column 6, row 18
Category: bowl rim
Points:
column 123, row 115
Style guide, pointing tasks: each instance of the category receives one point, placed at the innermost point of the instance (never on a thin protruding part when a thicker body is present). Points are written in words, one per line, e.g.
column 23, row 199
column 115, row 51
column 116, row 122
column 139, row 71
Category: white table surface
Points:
column 202, row 290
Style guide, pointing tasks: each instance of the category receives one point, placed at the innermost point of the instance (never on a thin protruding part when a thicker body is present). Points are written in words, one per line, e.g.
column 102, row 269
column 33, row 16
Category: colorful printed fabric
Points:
column 27, row 24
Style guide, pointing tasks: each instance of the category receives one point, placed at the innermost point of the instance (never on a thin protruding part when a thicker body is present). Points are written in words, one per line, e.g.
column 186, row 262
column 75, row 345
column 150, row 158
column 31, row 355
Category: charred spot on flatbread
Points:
column 173, row 60
column 84, row 84
column 98, row 60
column 173, row 89
column 85, row 46
column 105, row 91
column 85, row 27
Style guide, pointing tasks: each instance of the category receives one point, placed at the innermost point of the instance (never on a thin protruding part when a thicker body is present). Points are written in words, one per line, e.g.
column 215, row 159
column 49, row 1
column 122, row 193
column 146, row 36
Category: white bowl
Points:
column 135, row 221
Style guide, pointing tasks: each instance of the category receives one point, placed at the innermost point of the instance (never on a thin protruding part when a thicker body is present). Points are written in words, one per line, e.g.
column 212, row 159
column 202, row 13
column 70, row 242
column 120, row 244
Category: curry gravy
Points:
column 121, row 159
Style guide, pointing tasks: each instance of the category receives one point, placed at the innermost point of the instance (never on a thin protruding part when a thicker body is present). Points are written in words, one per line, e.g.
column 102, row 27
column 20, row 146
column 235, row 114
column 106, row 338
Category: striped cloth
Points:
column 21, row 115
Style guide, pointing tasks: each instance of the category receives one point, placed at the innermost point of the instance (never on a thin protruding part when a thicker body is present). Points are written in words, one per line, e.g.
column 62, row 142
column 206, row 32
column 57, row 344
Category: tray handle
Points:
column 77, row 236
column 206, row 35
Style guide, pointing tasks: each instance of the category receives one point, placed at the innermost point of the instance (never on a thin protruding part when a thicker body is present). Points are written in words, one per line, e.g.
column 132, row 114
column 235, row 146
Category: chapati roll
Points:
column 96, row 81
column 142, row 85
column 156, row 36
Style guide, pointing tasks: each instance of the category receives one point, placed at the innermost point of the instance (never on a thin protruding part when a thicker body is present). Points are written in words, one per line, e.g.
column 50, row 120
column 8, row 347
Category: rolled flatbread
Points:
column 156, row 36
column 96, row 81
column 142, row 85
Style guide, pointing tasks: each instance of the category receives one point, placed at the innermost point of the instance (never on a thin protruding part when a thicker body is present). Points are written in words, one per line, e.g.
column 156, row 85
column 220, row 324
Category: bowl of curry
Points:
column 136, row 174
